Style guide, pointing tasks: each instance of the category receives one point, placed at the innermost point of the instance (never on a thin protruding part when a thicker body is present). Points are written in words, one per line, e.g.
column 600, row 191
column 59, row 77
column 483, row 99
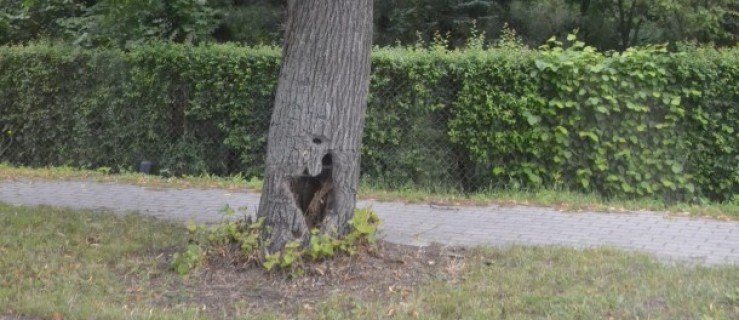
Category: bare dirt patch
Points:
column 374, row 273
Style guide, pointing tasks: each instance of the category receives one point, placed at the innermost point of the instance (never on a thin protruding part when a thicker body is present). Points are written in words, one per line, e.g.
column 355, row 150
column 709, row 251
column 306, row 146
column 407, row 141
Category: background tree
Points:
column 250, row 21
column 537, row 21
column 408, row 21
column 605, row 24
column 619, row 24
column 702, row 21
column 94, row 23
column 313, row 148
column 123, row 23
column 23, row 20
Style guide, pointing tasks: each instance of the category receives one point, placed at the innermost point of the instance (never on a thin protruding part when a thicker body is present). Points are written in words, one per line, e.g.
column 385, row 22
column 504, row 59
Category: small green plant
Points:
column 732, row 298
column 191, row 258
column 245, row 233
column 363, row 224
column 321, row 245
column 289, row 258
column 203, row 240
column 364, row 228
column 193, row 255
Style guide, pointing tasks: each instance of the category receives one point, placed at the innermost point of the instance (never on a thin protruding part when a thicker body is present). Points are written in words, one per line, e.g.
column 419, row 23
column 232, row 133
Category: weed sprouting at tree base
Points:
column 237, row 242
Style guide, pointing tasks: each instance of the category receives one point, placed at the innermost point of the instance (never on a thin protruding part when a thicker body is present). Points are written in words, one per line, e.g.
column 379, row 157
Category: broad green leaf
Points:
column 626, row 187
column 532, row 119
column 676, row 168
column 667, row 183
column 590, row 135
column 541, row 65
column 690, row 187
column 191, row 226
column 498, row 170
column 675, row 101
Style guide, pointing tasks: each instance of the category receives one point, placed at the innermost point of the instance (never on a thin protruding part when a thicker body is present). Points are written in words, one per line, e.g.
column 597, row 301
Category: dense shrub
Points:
column 645, row 122
column 405, row 140
column 192, row 109
column 641, row 122
column 710, row 125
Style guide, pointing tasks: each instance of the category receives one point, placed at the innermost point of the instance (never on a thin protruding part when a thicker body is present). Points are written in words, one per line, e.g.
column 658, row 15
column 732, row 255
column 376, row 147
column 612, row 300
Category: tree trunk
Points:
column 313, row 146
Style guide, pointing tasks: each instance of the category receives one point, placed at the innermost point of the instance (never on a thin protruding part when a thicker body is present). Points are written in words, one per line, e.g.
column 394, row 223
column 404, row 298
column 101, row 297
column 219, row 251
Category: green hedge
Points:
column 645, row 122
column 641, row 122
column 192, row 109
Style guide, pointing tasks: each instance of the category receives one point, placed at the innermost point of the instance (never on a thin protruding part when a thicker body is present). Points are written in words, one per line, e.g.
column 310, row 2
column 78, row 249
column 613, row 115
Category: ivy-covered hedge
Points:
column 191, row 109
column 642, row 122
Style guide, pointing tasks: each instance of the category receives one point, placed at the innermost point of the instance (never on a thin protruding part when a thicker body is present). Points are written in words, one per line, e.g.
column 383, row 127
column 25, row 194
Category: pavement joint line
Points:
column 671, row 238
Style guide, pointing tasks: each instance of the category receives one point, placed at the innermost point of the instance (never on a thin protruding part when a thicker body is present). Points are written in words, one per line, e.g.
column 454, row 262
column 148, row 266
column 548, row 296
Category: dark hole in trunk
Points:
column 314, row 195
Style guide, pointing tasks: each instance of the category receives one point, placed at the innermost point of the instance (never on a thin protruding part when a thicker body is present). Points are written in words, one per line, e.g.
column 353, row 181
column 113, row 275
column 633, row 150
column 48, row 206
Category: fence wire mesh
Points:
column 406, row 141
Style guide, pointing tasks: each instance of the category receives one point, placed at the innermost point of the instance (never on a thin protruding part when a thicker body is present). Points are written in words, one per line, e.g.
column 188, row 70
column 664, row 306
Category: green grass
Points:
column 560, row 283
column 85, row 264
column 103, row 175
column 79, row 265
column 74, row 264
column 559, row 199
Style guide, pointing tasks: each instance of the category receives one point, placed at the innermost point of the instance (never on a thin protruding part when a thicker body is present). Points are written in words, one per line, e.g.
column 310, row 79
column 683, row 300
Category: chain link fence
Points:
column 430, row 124
column 405, row 145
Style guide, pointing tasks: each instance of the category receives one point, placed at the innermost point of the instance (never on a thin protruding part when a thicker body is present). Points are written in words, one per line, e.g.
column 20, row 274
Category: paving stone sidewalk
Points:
column 672, row 238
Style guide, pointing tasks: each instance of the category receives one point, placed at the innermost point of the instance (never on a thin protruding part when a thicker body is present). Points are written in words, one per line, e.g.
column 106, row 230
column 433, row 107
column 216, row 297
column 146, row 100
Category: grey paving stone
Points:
column 670, row 238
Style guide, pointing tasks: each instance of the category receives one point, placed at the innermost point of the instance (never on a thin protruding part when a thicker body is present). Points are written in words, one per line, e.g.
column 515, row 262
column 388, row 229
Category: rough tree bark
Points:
column 315, row 133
